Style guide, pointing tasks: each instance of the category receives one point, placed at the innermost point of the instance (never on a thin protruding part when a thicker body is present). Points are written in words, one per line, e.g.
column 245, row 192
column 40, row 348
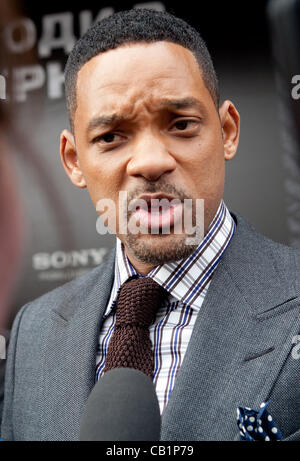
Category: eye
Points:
column 107, row 138
column 181, row 125
column 185, row 125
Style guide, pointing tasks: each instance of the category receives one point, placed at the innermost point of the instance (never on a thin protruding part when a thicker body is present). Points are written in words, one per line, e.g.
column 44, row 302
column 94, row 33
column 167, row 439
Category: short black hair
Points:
column 131, row 26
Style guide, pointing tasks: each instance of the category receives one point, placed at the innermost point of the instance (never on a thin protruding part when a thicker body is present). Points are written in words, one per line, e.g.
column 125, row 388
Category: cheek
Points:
column 205, row 159
column 204, row 169
column 102, row 177
column 100, row 186
column 101, row 189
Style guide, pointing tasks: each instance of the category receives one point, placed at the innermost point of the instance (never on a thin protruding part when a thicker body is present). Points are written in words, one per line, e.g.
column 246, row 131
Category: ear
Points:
column 70, row 159
column 230, row 121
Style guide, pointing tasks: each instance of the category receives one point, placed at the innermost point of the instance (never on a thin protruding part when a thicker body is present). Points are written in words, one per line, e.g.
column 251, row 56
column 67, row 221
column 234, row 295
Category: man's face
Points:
column 146, row 124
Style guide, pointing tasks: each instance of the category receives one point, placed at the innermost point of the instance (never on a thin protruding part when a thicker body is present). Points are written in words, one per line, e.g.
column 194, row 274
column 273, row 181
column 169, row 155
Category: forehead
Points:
column 139, row 74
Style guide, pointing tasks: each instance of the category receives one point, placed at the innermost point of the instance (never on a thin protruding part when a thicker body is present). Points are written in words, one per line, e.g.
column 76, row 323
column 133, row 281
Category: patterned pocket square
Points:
column 257, row 425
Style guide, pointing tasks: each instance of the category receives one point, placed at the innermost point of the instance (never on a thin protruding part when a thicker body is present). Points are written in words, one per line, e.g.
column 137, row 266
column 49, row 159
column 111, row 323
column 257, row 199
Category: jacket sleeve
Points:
column 6, row 418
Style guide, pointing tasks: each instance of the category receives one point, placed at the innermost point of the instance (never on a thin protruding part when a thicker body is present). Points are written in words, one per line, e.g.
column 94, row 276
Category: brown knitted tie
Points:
column 130, row 345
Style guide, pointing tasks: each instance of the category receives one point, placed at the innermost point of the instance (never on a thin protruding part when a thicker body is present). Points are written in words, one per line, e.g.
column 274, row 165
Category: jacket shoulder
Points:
column 286, row 258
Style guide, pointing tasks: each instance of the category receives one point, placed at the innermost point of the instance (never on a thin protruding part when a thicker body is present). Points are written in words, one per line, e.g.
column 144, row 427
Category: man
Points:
column 145, row 120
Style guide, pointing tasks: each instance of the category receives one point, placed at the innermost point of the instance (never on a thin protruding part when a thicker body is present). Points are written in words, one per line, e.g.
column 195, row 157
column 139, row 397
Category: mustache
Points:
column 158, row 187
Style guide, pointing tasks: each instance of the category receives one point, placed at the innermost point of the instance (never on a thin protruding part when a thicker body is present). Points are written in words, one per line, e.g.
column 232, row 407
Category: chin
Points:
column 159, row 249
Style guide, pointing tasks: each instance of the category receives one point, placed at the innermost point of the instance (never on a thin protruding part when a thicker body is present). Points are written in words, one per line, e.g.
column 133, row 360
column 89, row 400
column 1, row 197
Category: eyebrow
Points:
column 185, row 103
column 105, row 121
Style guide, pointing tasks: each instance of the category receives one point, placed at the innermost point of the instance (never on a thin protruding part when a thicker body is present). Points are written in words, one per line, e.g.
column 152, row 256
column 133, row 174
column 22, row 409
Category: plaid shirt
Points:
column 187, row 282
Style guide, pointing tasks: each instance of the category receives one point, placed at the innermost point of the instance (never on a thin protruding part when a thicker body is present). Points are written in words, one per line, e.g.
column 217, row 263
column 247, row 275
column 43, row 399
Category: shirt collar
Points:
column 186, row 279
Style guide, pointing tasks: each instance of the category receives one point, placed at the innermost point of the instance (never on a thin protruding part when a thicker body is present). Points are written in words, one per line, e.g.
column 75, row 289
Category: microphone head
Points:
column 122, row 406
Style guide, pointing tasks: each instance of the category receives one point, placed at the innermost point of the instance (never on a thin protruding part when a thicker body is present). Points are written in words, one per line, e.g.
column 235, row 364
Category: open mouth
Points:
column 158, row 213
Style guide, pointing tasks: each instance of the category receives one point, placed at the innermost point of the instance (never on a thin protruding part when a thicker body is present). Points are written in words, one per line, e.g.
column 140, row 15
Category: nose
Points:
column 150, row 157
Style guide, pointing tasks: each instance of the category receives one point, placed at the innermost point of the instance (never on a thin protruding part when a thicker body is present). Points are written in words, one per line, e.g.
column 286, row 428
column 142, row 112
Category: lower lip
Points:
column 164, row 219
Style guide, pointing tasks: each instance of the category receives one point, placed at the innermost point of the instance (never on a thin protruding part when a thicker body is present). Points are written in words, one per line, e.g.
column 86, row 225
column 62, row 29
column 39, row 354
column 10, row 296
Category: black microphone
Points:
column 122, row 406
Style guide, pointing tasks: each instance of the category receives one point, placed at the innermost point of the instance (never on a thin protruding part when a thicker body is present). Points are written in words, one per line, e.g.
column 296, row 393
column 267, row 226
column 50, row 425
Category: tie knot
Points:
column 139, row 300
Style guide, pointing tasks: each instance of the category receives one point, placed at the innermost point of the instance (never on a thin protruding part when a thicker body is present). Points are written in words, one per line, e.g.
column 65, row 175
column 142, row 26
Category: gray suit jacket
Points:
column 240, row 352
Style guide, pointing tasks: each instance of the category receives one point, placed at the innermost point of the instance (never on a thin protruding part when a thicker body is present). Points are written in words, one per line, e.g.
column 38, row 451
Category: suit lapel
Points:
column 242, row 336
column 70, row 354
